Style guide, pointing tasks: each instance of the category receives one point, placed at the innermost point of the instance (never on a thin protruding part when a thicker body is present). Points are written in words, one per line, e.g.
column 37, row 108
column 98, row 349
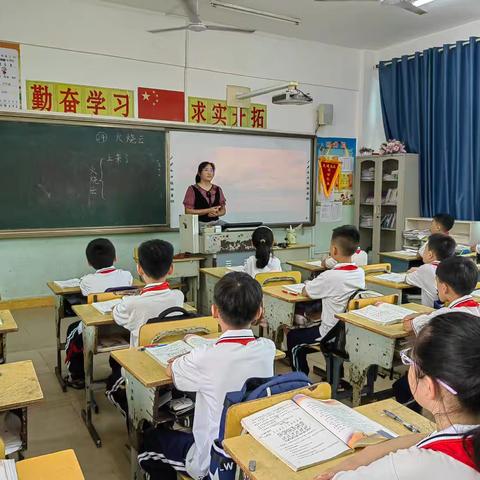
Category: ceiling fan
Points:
column 196, row 24
column 403, row 4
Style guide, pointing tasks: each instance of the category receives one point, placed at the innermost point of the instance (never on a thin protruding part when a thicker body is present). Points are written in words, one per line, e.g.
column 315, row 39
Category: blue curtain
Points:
column 431, row 102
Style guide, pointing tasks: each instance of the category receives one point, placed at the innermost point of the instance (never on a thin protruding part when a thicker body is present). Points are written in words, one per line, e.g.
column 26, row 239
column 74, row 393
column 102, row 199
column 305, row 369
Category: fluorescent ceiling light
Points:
column 252, row 11
column 419, row 3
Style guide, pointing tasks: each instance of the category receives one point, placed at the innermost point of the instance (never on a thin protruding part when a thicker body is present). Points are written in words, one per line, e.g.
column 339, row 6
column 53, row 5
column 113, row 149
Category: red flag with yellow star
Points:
column 157, row 104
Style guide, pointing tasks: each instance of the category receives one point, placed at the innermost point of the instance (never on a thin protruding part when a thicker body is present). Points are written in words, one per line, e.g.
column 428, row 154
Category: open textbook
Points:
column 106, row 307
column 164, row 353
column 393, row 277
column 72, row 283
column 384, row 313
column 295, row 289
column 303, row 431
column 239, row 268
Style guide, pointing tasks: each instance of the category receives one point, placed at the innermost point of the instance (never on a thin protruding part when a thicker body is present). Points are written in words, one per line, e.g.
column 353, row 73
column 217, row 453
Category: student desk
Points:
column 146, row 381
column 61, row 465
column 245, row 448
column 19, row 388
column 93, row 324
column 368, row 343
column 60, row 293
column 208, row 280
column 401, row 261
column 385, row 287
column 7, row 325
column 308, row 271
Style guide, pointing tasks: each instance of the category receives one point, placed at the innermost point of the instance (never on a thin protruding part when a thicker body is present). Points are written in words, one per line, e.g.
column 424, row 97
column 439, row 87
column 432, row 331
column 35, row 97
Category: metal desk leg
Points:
column 89, row 334
column 59, row 314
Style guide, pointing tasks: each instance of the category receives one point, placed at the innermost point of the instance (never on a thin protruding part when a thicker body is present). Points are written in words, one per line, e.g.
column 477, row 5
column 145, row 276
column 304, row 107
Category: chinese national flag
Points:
column 161, row 104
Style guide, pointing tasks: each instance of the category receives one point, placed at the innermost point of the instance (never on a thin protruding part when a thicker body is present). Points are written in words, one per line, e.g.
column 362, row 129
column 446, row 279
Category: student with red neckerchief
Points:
column 441, row 223
column 444, row 376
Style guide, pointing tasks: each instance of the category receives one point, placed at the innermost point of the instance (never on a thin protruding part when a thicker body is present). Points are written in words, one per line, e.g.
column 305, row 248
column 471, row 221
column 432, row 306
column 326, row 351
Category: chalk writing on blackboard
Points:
column 101, row 137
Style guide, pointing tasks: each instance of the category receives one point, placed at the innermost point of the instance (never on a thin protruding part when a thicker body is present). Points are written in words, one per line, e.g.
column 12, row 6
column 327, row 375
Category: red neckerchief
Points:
column 454, row 446
column 469, row 302
column 435, row 263
column 106, row 270
column 155, row 288
column 346, row 267
column 241, row 340
column 358, row 250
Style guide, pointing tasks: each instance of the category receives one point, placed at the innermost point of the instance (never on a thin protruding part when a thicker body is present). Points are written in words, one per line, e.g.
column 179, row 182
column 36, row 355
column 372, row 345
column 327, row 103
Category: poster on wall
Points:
column 9, row 76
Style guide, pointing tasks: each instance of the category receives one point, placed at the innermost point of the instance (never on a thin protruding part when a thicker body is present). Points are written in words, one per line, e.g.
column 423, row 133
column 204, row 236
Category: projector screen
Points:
column 264, row 178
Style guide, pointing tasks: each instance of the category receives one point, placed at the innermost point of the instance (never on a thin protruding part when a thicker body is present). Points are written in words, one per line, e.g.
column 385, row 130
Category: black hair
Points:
column 201, row 167
column 459, row 273
column 100, row 253
column 262, row 239
column 445, row 220
column 155, row 257
column 346, row 238
column 443, row 246
column 238, row 297
column 448, row 349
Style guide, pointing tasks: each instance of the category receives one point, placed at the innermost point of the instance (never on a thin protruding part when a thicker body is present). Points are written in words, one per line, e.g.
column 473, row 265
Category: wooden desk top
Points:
column 391, row 331
column 59, row 465
column 217, row 272
column 8, row 322
column 303, row 264
column 147, row 370
column 76, row 290
column 19, row 385
column 296, row 246
column 91, row 317
column 384, row 283
column 277, row 292
column 175, row 260
column 401, row 256
column 268, row 467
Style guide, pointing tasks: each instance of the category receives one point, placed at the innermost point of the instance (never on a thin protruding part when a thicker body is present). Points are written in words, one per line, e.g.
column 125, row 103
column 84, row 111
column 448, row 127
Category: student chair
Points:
column 2, row 449
column 271, row 279
column 103, row 297
column 168, row 314
column 175, row 330
column 377, row 268
column 128, row 290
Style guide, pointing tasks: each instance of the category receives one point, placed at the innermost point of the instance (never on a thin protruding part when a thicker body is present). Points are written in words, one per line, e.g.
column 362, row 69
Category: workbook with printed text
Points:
column 304, row 431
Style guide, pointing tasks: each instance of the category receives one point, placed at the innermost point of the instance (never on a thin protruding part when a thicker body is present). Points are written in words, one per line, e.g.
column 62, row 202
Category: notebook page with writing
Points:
column 296, row 289
column 164, row 353
column 197, row 341
column 106, row 307
column 393, row 277
column 293, row 435
column 384, row 313
column 72, row 283
column 344, row 422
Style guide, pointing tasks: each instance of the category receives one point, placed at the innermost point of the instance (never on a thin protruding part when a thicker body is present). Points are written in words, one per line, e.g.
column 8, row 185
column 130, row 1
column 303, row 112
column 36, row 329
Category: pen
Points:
column 142, row 349
column 408, row 426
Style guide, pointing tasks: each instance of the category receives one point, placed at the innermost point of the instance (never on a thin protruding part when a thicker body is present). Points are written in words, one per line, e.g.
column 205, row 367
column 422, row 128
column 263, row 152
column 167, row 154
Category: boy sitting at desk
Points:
column 456, row 280
column 439, row 248
column 334, row 287
column 211, row 371
column 441, row 223
column 155, row 263
column 101, row 256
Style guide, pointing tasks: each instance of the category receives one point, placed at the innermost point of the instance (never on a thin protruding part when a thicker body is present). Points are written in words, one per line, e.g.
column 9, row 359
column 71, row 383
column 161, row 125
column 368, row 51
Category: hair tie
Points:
column 262, row 240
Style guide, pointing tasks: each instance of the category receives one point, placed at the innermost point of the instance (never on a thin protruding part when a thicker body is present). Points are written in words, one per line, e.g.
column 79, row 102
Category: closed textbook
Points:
column 304, row 431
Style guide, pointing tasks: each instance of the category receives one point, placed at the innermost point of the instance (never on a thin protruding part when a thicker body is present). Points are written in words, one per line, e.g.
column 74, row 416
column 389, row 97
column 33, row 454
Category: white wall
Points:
column 87, row 42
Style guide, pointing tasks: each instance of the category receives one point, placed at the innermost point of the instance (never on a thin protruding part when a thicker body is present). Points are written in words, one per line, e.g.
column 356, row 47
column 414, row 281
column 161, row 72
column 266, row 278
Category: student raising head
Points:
column 441, row 223
column 263, row 260
column 439, row 248
column 211, row 371
column 444, row 376
column 456, row 280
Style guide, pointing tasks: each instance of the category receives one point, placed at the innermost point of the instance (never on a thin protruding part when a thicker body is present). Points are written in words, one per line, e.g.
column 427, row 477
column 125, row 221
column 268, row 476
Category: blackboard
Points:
column 80, row 176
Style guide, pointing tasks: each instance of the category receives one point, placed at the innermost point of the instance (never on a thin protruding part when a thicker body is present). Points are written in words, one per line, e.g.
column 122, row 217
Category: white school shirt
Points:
column 334, row 287
column 359, row 258
column 425, row 278
column 274, row 265
column 104, row 278
column 466, row 304
column 416, row 463
column 212, row 371
column 135, row 310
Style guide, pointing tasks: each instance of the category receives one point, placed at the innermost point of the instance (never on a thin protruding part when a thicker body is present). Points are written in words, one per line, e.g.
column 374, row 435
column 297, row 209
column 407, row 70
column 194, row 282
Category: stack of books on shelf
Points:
column 366, row 221
column 368, row 174
column 414, row 238
column 392, row 176
column 389, row 220
column 390, row 198
column 369, row 199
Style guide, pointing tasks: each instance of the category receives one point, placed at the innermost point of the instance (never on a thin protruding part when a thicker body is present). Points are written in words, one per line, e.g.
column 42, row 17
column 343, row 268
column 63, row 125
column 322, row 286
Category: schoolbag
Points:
column 222, row 466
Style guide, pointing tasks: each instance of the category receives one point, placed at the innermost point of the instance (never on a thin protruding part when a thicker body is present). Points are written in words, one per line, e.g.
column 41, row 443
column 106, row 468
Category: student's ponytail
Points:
column 262, row 240
column 448, row 349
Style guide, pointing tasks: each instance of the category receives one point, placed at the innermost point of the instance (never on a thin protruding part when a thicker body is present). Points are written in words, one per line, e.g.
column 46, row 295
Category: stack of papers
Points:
column 295, row 289
column 106, row 307
column 384, row 313
column 8, row 470
column 392, row 277
column 10, row 427
column 73, row 283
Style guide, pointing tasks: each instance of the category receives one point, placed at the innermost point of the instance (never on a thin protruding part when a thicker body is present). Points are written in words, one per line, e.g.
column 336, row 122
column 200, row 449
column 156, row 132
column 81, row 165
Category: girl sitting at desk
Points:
column 444, row 377
column 263, row 261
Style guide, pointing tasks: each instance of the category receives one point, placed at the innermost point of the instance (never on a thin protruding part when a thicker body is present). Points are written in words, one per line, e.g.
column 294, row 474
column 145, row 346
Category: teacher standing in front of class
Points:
column 204, row 198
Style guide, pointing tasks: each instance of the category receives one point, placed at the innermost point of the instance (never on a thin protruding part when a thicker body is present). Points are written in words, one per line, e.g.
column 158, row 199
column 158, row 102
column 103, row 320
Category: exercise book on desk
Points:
column 295, row 289
column 384, row 313
column 72, row 283
column 239, row 268
column 164, row 353
column 8, row 470
column 392, row 277
column 304, row 431
column 106, row 307
column 316, row 263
